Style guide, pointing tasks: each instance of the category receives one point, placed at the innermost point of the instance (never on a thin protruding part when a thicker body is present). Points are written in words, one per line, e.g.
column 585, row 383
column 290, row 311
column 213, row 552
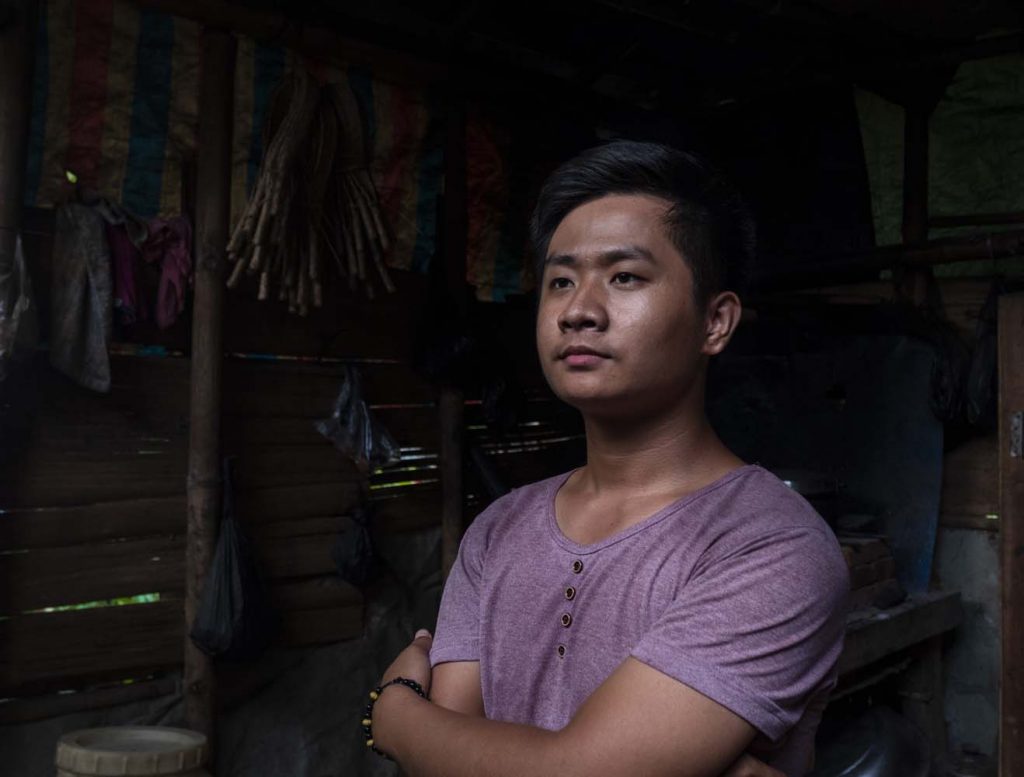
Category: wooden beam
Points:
column 865, row 266
column 912, row 282
column 919, row 618
column 452, row 402
column 55, row 705
column 976, row 220
column 204, row 482
column 1011, row 520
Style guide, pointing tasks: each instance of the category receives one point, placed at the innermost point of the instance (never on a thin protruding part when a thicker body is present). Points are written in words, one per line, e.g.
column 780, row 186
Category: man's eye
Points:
column 624, row 277
column 560, row 283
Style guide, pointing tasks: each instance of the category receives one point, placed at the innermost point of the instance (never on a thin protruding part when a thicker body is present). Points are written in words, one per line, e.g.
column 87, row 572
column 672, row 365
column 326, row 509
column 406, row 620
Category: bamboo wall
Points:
column 92, row 488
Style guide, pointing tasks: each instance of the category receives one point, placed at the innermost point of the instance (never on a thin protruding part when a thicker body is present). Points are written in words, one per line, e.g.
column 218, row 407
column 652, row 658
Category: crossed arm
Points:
column 639, row 721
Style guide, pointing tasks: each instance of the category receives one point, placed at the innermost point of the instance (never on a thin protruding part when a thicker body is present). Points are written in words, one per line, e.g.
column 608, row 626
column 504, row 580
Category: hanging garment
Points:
column 170, row 246
column 18, row 326
column 81, row 299
column 129, row 303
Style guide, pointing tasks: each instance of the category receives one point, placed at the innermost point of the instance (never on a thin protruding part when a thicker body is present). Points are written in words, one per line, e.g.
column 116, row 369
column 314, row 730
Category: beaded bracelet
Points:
column 368, row 712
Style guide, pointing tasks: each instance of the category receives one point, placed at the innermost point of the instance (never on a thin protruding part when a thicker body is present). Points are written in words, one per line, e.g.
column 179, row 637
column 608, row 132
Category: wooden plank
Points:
column 69, row 649
column 39, row 483
column 49, row 577
column 970, row 485
column 302, row 556
column 872, row 572
column 41, row 528
column 863, row 550
column 260, row 466
column 298, row 527
column 32, row 708
column 1011, row 519
column 136, row 518
column 266, row 505
column 885, row 632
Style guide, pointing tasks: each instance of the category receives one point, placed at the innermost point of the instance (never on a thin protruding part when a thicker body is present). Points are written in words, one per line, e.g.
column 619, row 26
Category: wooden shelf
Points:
column 874, row 634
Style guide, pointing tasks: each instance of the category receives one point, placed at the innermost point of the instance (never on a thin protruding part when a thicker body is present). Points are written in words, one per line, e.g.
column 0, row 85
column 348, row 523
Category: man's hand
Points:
column 413, row 663
column 748, row 766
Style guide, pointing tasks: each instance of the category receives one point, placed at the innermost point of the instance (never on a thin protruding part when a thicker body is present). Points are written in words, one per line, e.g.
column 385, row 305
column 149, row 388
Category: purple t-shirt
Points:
column 737, row 590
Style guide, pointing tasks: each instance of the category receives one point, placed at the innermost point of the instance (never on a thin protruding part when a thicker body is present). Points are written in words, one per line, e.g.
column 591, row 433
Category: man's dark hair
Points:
column 707, row 220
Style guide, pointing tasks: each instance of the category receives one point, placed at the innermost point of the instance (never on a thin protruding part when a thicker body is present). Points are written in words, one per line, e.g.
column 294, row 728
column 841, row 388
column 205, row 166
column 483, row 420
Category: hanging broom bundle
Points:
column 314, row 200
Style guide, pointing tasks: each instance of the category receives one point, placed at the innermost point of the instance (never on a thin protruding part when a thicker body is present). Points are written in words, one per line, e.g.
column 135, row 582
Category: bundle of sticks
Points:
column 314, row 201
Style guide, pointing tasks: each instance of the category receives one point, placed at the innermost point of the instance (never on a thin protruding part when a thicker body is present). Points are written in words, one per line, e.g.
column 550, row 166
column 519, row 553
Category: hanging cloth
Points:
column 170, row 247
column 18, row 326
column 81, row 297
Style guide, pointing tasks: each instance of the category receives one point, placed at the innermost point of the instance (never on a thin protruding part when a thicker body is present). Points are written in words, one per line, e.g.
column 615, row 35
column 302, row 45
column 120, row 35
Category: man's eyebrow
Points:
column 605, row 258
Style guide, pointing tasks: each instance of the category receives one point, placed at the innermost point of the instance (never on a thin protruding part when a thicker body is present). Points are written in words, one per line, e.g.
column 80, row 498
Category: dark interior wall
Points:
column 92, row 486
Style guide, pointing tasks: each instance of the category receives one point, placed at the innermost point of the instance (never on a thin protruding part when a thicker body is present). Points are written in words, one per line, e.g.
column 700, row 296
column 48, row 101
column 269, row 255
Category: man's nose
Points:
column 585, row 310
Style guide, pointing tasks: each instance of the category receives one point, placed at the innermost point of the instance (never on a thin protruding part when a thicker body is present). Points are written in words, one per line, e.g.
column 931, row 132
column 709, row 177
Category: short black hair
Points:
column 707, row 220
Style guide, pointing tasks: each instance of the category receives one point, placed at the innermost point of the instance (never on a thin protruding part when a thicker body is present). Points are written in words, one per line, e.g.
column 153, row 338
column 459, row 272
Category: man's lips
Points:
column 581, row 356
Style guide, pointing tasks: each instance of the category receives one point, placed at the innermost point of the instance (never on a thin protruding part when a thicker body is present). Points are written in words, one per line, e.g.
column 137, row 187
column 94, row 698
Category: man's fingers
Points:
column 424, row 637
column 748, row 766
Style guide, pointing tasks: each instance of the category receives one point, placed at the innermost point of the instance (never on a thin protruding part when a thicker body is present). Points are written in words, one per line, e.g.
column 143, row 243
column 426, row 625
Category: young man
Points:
column 666, row 608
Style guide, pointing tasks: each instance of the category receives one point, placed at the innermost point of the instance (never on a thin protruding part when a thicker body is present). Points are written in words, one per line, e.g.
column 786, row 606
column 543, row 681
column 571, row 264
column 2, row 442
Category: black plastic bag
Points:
column 353, row 428
column 353, row 549
column 234, row 620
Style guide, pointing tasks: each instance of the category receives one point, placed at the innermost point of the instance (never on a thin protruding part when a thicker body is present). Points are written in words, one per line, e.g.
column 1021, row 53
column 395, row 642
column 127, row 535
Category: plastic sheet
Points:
column 18, row 324
column 234, row 620
column 353, row 428
column 352, row 553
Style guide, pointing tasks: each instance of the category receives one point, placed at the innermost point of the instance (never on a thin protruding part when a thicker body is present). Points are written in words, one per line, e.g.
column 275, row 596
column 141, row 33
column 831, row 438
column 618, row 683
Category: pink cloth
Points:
column 737, row 590
column 170, row 245
column 129, row 303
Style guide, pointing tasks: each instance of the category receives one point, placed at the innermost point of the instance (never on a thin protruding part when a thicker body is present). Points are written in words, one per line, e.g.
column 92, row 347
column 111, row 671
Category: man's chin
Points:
column 597, row 402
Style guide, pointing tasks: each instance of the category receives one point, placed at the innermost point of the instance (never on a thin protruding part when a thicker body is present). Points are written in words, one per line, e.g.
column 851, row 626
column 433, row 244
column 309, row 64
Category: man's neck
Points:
column 671, row 452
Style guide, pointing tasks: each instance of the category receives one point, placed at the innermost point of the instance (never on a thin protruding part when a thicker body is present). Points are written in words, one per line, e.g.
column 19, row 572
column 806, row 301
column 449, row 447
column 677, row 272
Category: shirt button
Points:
column 561, row 651
column 570, row 593
column 577, row 566
column 567, row 620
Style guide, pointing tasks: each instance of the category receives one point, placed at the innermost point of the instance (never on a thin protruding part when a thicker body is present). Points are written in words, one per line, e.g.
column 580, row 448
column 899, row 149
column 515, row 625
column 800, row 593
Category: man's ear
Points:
column 721, row 317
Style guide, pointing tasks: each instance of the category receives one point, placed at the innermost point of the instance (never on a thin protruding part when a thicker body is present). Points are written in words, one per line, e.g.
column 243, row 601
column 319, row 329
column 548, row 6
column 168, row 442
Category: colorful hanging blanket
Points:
column 115, row 102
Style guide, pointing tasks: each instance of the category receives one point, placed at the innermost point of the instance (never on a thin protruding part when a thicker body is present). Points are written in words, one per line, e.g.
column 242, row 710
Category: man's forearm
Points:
column 430, row 741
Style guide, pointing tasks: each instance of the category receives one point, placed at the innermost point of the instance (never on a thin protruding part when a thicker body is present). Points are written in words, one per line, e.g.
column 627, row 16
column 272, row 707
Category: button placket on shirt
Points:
column 570, row 596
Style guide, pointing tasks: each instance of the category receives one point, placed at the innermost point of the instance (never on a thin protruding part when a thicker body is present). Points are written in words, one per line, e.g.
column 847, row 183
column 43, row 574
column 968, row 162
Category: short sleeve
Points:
column 758, row 630
column 457, row 634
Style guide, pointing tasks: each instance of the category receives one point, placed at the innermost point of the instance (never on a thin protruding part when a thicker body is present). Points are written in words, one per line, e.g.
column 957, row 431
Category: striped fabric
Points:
column 115, row 102
column 500, row 196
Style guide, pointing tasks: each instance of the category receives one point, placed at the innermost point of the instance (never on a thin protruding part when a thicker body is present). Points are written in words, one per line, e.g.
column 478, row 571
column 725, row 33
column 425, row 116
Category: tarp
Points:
column 976, row 155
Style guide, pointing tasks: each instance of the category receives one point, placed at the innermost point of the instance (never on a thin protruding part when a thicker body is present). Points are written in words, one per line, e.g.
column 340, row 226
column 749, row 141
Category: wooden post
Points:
column 213, row 185
column 1011, row 526
column 16, row 45
column 912, row 282
column 452, row 402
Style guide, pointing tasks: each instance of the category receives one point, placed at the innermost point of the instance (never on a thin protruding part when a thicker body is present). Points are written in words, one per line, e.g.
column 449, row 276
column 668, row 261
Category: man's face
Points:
column 618, row 331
